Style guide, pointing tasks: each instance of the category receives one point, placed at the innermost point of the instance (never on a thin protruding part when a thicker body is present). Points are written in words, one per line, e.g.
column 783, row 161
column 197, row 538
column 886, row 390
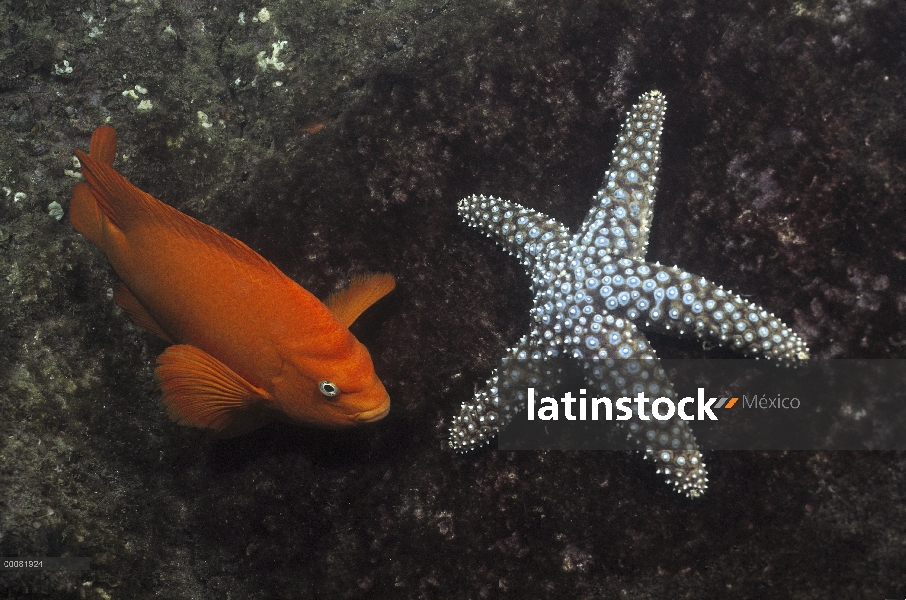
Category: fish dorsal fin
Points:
column 362, row 291
column 201, row 391
column 103, row 145
column 129, row 303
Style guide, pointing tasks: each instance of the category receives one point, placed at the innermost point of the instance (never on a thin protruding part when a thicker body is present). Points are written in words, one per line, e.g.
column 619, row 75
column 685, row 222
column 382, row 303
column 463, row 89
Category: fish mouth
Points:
column 369, row 416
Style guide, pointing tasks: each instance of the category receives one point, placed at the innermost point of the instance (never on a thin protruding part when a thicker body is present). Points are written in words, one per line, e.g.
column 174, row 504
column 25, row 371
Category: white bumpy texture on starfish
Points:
column 593, row 292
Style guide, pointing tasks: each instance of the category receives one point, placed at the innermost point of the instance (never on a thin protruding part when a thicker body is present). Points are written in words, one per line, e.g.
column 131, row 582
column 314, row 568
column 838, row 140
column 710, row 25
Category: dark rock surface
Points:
column 783, row 177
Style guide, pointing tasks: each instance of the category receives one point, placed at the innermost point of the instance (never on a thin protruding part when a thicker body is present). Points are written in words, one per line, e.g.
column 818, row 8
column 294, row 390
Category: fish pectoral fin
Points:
column 129, row 303
column 201, row 391
column 362, row 291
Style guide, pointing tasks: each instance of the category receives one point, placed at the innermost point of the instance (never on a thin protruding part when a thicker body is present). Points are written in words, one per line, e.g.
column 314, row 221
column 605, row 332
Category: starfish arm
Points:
column 672, row 301
column 621, row 215
column 619, row 362
column 522, row 231
column 503, row 396
column 670, row 444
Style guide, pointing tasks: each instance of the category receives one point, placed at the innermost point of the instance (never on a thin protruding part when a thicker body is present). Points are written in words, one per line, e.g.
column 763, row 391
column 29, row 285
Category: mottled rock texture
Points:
column 783, row 176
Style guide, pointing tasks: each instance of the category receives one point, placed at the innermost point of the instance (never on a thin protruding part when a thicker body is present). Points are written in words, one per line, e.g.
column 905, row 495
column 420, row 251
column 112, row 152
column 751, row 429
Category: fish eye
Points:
column 328, row 389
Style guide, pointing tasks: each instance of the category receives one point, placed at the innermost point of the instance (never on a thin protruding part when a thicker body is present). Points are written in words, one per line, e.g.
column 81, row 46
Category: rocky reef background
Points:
column 345, row 150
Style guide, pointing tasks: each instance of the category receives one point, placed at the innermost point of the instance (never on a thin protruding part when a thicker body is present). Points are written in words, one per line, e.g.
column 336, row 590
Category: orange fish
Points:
column 250, row 345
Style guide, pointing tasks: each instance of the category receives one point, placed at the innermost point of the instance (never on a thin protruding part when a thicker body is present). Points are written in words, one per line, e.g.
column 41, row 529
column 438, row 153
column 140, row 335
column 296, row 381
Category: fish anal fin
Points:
column 200, row 391
column 103, row 145
column 138, row 313
column 362, row 291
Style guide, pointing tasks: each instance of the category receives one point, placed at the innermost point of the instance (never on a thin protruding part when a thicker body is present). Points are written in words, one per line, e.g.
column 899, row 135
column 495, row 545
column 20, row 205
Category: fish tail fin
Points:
column 103, row 145
column 120, row 202
column 86, row 215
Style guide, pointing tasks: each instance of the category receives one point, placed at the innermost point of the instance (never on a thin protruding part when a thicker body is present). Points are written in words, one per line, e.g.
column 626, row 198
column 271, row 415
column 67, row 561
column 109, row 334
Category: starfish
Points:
column 594, row 294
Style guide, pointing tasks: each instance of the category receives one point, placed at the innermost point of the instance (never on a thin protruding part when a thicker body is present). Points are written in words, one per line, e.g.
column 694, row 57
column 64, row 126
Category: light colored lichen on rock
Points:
column 55, row 210
column 265, row 61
